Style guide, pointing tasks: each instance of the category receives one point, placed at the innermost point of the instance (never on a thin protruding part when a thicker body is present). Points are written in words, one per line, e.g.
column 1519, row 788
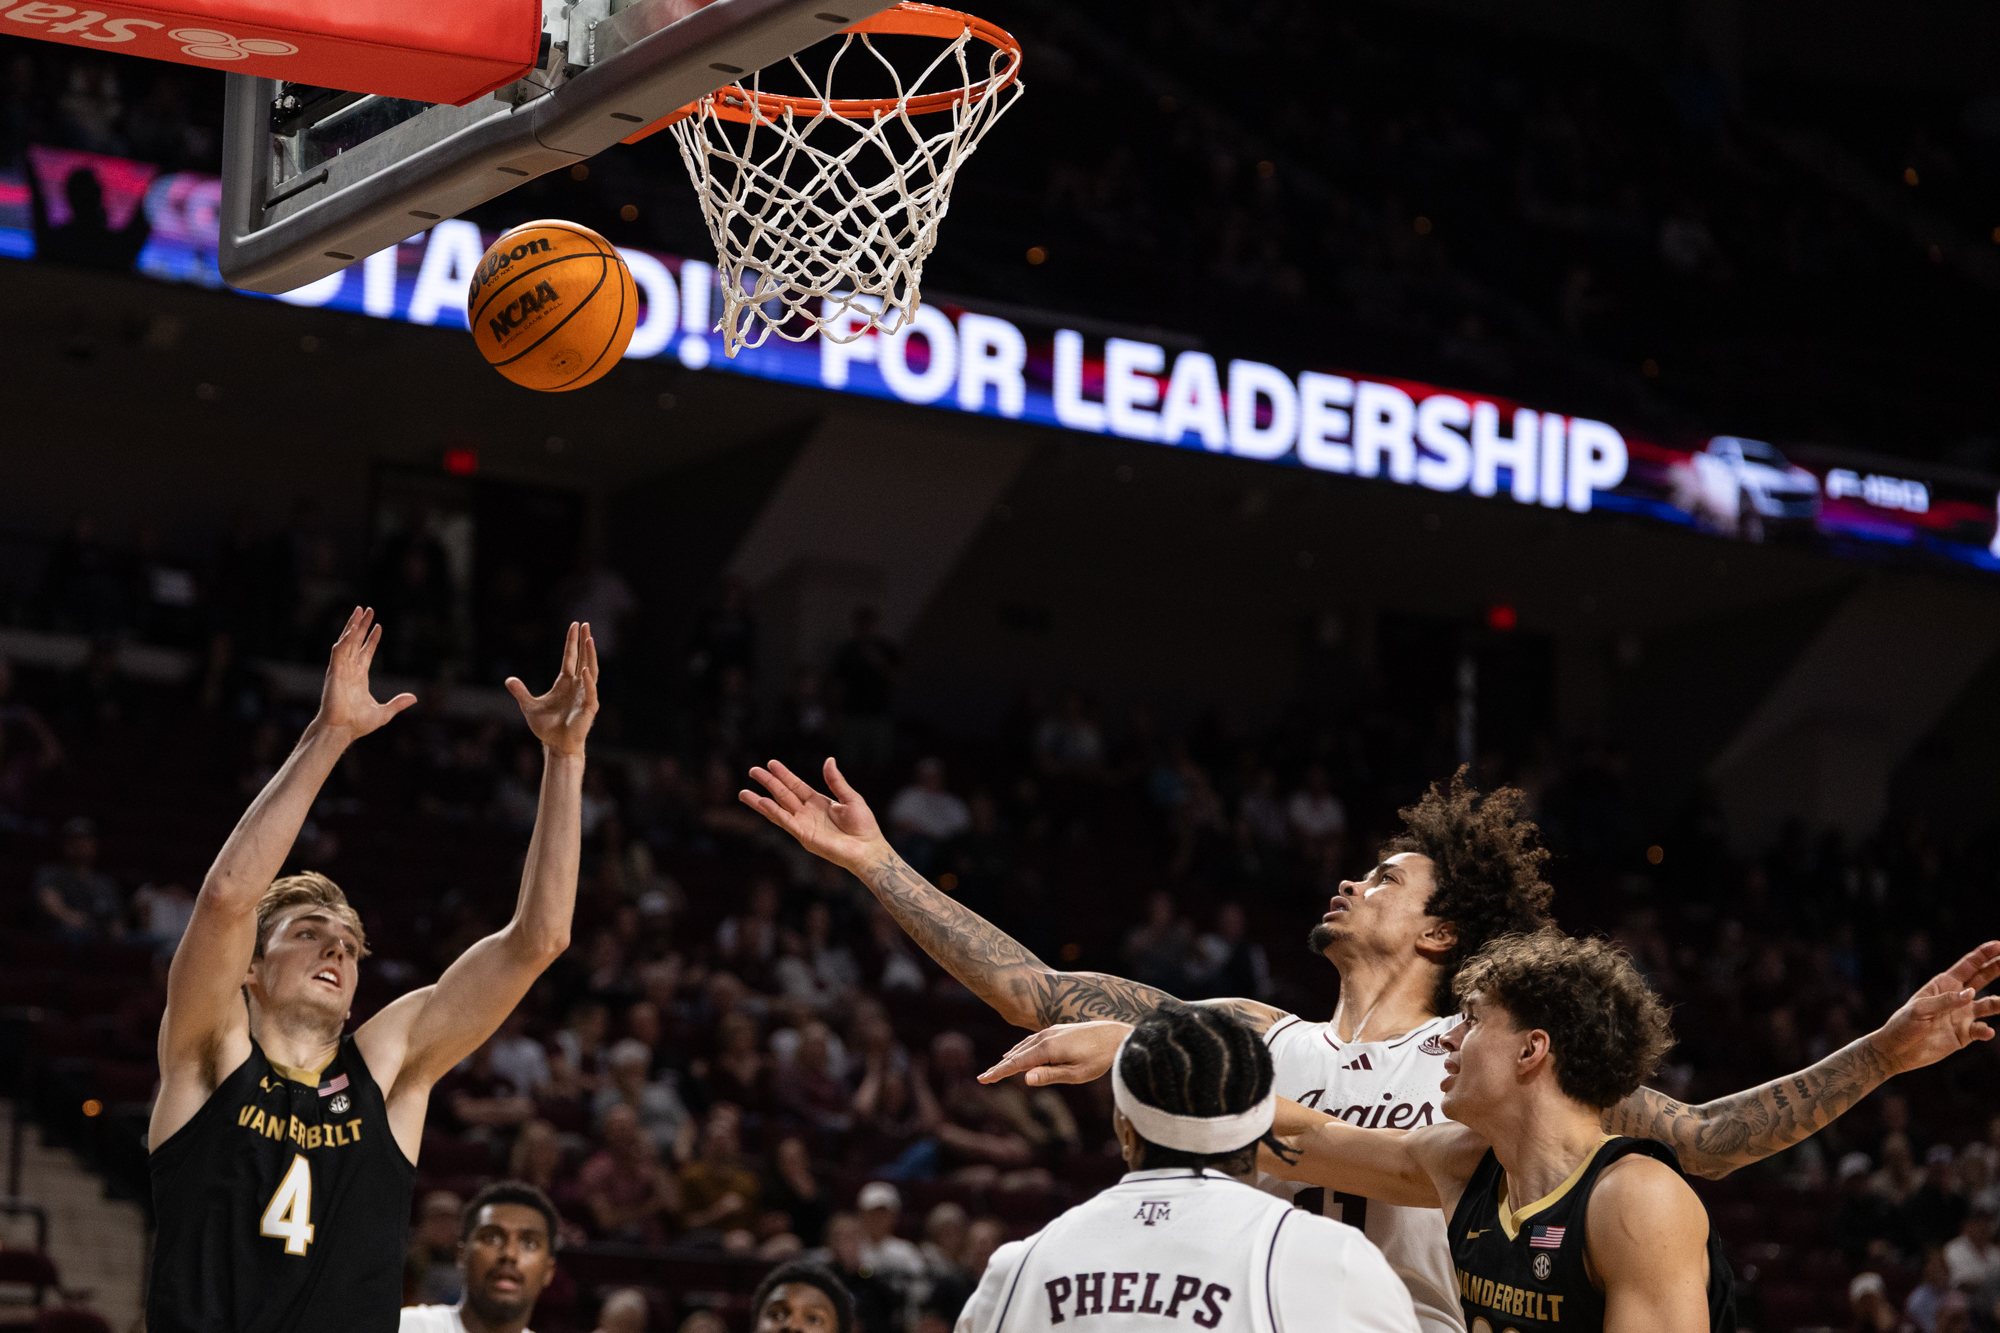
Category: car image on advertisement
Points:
column 1747, row 489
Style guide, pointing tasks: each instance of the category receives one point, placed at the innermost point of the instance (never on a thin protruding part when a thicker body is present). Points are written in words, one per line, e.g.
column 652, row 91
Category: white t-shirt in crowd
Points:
column 1192, row 1248
column 1390, row 1084
column 935, row 814
column 1320, row 816
column 434, row 1319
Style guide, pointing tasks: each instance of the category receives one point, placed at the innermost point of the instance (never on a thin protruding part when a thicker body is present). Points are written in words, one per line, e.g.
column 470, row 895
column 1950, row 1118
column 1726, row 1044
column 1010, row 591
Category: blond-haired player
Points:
column 284, row 1149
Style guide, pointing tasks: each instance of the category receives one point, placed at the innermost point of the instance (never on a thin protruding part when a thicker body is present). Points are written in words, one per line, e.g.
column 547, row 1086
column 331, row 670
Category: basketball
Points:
column 552, row 306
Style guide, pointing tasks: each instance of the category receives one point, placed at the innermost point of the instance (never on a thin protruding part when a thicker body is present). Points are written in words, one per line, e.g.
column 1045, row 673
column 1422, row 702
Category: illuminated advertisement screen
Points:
column 1396, row 431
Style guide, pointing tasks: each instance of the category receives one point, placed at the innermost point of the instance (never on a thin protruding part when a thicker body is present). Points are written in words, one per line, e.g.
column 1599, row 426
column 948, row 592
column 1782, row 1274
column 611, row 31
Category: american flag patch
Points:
column 1545, row 1238
column 328, row 1089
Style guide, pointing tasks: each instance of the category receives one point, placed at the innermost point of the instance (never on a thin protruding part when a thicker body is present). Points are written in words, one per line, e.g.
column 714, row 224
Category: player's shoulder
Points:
column 430, row 1319
column 1640, row 1208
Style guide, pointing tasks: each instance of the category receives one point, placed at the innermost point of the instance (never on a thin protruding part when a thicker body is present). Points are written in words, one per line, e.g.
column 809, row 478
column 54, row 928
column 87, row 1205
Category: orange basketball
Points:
column 552, row 306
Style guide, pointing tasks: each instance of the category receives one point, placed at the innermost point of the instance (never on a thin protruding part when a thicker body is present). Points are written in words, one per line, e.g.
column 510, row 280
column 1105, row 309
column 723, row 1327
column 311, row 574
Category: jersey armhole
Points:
column 154, row 1151
column 1000, row 1320
column 1289, row 1020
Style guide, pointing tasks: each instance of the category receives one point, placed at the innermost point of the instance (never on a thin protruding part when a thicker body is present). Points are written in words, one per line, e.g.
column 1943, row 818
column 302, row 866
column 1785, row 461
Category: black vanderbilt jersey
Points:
column 283, row 1206
column 1524, row 1273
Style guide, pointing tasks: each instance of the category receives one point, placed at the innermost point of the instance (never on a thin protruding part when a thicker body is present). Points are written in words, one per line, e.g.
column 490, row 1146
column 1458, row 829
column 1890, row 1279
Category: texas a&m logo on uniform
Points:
column 1152, row 1211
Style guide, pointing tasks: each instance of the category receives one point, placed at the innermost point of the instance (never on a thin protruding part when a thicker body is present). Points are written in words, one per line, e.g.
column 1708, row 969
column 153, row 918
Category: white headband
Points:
column 1208, row 1135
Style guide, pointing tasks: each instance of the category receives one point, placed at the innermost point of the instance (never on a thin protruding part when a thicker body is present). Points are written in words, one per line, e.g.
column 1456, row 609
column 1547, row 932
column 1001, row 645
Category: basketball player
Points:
column 801, row 1297
column 284, row 1152
column 1184, row 1237
column 1464, row 870
column 1556, row 1226
column 506, row 1254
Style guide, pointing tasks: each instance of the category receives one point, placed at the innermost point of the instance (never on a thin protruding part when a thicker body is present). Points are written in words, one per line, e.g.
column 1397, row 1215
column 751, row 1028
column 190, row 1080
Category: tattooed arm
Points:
column 1022, row 988
column 1717, row 1137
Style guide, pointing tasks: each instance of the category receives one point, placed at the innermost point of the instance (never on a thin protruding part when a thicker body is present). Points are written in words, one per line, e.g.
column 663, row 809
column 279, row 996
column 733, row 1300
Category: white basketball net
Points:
column 819, row 213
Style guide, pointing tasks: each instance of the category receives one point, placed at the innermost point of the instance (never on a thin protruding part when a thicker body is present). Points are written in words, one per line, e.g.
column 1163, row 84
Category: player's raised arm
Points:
column 1022, row 988
column 413, row 1042
column 1413, row 1168
column 1717, row 1137
column 205, row 1032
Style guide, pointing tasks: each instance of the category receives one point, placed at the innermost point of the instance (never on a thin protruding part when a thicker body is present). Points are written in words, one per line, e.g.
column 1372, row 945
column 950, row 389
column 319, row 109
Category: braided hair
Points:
column 1195, row 1060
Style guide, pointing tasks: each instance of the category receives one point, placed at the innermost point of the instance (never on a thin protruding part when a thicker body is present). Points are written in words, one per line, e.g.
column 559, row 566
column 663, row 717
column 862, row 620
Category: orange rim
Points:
column 908, row 18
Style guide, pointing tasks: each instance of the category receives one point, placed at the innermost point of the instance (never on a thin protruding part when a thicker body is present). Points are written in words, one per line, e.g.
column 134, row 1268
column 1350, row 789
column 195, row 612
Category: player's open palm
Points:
column 345, row 700
column 1946, row 1014
column 840, row 828
column 561, row 718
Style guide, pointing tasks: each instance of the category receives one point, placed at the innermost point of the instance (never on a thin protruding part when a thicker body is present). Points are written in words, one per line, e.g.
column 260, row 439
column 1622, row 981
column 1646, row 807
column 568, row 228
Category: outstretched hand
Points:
column 840, row 828
column 345, row 701
column 1945, row 1016
column 1065, row 1053
column 561, row 718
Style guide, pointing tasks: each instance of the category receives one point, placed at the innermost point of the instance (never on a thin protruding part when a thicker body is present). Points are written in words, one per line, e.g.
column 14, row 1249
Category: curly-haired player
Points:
column 1466, row 869
column 1183, row 1237
column 1556, row 1227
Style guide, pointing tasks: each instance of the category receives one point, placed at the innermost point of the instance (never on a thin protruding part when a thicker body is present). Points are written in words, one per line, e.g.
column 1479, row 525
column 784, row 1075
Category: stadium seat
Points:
column 67, row 1320
column 26, row 1279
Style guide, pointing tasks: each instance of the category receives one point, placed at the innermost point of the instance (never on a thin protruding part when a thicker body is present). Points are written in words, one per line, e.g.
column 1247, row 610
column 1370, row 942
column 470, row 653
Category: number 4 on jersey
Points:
column 289, row 1214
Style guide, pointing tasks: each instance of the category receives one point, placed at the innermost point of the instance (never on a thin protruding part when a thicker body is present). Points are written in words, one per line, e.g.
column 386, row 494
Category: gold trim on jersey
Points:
column 309, row 1077
column 1510, row 1222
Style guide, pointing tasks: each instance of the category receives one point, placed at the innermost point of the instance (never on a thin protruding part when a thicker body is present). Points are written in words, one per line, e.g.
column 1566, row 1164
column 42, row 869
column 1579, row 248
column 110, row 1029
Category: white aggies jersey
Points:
column 1176, row 1248
column 1389, row 1084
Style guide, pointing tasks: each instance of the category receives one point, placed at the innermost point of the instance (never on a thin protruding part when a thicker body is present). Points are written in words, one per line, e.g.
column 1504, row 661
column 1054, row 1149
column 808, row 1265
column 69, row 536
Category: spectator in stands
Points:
column 578, row 1068
column 623, row 1311
column 1898, row 1178
column 808, row 1087
column 430, row 1269
column 600, row 597
column 1921, row 1307
column 949, row 1285
column 703, row 1321
column 164, row 911
column 980, row 1145
column 747, row 943
column 1262, row 823
column 1228, row 961
column 865, row 669
column 1318, row 820
column 1864, row 1224
column 740, row 1073
column 630, row 1195
column 896, row 1121
column 883, row 1252
column 925, row 815
column 479, row 1101
column 1868, row 1297
column 519, row 1058
column 1934, row 1212
column 1975, row 1179
column 984, row 1236
column 1971, row 1257
column 795, row 1192
column 878, row 1308
column 1069, row 744
column 537, row 1156
column 802, row 734
column 1160, row 951
column 28, row 751
column 719, row 1190
column 725, row 637
column 79, row 901
column 657, row 1105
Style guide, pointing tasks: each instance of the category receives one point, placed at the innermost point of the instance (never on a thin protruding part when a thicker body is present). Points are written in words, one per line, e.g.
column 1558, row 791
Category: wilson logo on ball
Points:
column 515, row 312
column 498, row 261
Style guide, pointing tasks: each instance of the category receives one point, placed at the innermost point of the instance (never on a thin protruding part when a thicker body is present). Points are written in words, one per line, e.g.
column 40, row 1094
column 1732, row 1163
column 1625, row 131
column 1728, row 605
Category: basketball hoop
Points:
column 824, row 207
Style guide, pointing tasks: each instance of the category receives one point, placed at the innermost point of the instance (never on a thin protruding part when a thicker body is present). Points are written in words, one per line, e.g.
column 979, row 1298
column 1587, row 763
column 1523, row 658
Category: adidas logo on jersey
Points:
column 1359, row 1063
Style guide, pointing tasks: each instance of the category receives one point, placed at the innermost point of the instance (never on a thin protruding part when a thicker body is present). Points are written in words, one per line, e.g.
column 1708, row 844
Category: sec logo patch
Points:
column 339, row 1106
column 1542, row 1266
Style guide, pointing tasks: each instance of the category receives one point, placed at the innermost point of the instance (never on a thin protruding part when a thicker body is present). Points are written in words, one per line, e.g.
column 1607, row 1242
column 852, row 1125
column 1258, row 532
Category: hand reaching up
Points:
column 345, row 701
column 561, row 718
column 1945, row 1015
column 840, row 828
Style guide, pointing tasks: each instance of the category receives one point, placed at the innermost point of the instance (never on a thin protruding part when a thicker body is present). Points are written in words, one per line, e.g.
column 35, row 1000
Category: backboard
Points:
column 316, row 178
